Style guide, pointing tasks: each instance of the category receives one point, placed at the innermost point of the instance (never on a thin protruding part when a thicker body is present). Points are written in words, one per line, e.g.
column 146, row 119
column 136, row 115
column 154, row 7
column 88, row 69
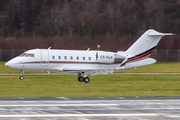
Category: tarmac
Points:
column 96, row 108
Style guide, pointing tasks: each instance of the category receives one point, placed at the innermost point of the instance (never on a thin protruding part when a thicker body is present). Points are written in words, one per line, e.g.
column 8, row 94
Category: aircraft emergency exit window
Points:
column 89, row 58
column 65, row 57
column 83, row 58
column 71, row 57
column 22, row 55
column 59, row 57
column 29, row 55
column 77, row 58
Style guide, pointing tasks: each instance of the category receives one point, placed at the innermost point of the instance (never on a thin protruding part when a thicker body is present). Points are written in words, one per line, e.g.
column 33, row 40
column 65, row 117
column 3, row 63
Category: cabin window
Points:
column 29, row 55
column 65, row 57
column 83, row 58
column 59, row 57
column 89, row 58
column 53, row 57
column 77, row 58
column 71, row 57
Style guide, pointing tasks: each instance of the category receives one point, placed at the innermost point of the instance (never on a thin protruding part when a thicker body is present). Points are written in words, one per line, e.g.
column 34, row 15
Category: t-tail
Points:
column 138, row 54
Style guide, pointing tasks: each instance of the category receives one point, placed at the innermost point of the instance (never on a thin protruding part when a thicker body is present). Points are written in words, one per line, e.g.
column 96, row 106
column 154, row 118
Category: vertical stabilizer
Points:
column 143, row 48
column 146, row 43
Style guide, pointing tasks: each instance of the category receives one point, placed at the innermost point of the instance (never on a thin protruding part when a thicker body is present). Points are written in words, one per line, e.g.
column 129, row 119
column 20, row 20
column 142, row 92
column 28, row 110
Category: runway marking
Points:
column 97, row 109
column 63, row 98
column 78, row 115
column 58, row 105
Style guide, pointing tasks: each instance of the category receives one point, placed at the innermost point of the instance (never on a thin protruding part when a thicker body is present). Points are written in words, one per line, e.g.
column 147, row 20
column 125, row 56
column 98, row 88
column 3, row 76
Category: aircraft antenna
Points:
column 49, row 48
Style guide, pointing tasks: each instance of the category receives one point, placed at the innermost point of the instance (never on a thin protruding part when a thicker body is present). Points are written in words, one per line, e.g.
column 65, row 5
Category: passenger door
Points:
column 44, row 57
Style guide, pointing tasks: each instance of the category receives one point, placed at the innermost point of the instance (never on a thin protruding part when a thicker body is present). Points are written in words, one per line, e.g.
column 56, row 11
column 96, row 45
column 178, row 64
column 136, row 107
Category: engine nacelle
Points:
column 109, row 57
column 119, row 58
column 105, row 57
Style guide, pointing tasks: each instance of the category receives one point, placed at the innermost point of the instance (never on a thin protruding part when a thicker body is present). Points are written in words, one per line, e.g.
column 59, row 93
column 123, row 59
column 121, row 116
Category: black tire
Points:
column 86, row 80
column 80, row 79
column 21, row 77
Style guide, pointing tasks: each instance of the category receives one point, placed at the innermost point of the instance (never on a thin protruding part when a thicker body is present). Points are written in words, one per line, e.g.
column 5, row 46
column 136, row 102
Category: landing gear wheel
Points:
column 21, row 77
column 86, row 80
column 80, row 79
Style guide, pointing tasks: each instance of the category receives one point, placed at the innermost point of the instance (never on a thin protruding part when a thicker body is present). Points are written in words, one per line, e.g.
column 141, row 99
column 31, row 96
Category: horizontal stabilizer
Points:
column 146, row 61
column 159, row 34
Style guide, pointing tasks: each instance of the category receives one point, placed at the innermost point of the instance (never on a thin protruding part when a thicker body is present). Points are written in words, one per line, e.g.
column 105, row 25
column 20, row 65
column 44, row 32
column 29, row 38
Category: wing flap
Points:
column 90, row 71
column 96, row 72
column 84, row 69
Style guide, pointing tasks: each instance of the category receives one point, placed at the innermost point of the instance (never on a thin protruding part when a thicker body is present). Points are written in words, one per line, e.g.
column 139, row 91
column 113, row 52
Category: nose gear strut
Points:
column 21, row 77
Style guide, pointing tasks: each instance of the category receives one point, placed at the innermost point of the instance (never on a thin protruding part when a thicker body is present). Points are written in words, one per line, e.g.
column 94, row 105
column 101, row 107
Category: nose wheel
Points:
column 21, row 77
column 21, row 73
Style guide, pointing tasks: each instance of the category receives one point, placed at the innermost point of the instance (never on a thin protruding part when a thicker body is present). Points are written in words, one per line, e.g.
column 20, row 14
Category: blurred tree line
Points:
column 90, row 22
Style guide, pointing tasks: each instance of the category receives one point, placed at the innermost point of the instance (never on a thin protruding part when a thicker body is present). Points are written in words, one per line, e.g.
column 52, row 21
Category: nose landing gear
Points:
column 21, row 77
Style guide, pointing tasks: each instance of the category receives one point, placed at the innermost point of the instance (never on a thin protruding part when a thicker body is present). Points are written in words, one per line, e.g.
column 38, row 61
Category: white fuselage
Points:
column 64, row 60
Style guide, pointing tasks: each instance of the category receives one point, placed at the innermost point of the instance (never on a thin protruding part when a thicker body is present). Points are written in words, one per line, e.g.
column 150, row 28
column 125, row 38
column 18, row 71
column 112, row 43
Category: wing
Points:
column 91, row 71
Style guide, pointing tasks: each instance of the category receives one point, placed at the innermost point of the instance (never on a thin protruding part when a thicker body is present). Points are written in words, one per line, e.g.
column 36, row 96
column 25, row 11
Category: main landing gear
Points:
column 85, row 78
column 21, row 77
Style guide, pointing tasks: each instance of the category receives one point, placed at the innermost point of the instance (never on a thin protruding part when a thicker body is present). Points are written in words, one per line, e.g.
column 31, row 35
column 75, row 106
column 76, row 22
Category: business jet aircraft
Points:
column 89, row 62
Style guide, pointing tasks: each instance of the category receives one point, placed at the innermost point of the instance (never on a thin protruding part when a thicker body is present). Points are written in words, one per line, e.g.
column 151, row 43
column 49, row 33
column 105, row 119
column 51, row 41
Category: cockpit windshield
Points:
column 22, row 55
column 26, row 55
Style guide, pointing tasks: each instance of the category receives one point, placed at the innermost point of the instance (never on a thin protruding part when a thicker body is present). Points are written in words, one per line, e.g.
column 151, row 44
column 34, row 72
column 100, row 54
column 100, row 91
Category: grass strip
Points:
column 99, row 86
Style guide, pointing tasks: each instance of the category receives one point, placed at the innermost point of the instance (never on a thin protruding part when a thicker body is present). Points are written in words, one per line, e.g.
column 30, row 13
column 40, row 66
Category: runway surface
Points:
column 101, row 108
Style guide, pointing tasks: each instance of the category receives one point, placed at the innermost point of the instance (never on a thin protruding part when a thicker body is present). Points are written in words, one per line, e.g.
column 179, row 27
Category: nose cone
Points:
column 14, row 63
column 7, row 64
